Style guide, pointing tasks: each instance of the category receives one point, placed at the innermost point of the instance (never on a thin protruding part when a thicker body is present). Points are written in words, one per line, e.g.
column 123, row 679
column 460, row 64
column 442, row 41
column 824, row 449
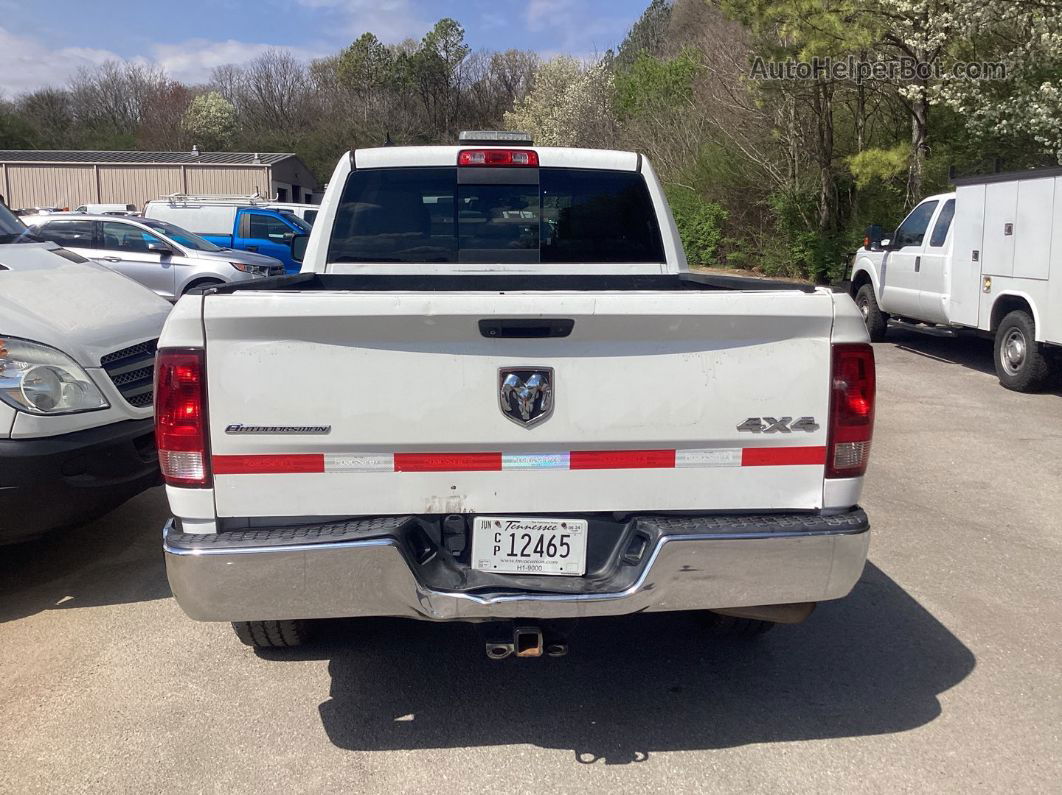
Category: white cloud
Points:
column 26, row 64
column 391, row 20
column 192, row 61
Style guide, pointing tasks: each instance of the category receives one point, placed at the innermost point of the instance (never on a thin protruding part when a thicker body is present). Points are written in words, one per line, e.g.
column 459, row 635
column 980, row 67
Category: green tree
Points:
column 366, row 69
column 700, row 224
column 647, row 36
column 433, row 71
column 14, row 132
column 650, row 85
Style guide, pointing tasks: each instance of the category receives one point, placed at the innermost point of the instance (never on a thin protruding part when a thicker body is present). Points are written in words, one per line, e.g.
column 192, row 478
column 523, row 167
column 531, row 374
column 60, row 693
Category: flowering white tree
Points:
column 1026, row 36
column 211, row 120
column 920, row 30
column 570, row 104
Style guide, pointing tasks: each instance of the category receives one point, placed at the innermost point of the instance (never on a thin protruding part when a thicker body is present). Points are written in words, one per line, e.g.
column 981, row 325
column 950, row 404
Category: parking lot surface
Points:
column 942, row 670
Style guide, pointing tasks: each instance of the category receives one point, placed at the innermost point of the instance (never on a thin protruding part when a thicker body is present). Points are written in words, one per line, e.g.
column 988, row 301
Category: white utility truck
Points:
column 986, row 257
column 496, row 394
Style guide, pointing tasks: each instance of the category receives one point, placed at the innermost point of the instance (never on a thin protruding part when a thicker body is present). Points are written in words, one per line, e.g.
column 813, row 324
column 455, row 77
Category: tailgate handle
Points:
column 526, row 328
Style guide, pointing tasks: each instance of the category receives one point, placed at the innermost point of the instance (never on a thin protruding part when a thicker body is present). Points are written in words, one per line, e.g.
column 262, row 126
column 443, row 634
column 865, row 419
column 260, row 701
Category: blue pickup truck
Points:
column 246, row 227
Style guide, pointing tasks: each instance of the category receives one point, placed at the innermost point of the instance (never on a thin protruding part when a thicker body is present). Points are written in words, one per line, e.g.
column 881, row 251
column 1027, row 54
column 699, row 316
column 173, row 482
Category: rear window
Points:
column 71, row 234
column 428, row 215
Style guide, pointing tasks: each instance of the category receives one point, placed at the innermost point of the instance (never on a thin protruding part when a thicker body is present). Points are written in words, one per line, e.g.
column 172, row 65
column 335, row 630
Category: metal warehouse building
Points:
column 58, row 178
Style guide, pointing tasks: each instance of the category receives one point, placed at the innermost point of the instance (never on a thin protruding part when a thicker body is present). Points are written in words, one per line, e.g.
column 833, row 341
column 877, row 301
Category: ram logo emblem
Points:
column 526, row 394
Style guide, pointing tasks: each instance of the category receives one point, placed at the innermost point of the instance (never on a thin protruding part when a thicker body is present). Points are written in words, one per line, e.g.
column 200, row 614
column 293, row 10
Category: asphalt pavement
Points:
column 942, row 671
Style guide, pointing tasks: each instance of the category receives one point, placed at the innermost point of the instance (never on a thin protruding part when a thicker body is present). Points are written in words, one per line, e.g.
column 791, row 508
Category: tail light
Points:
column 498, row 157
column 851, row 410
column 180, row 417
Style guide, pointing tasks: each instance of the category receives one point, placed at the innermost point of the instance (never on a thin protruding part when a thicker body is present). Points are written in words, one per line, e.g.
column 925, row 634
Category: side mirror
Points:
column 159, row 248
column 886, row 244
column 298, row 247
column 872, row 238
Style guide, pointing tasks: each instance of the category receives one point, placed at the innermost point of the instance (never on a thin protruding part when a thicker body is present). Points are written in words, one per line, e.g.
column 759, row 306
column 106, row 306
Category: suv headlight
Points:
column 43, row 380
column 257, row 270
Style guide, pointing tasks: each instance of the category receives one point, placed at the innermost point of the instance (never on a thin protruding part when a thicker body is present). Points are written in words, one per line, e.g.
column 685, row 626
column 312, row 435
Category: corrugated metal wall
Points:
column 207, row 180
column 64, row 185
column 48, row 186
column 137, row 184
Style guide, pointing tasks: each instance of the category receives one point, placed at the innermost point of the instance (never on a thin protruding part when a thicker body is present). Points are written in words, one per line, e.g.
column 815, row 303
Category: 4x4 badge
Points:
column 778, row 425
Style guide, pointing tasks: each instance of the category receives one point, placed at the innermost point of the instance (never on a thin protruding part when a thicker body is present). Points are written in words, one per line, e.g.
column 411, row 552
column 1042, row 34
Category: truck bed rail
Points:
column 504, row 282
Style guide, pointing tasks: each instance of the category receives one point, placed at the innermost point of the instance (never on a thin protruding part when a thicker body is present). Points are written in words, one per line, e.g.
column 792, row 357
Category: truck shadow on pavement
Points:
column 873, row 663
column 114, row 560
column 967, row 350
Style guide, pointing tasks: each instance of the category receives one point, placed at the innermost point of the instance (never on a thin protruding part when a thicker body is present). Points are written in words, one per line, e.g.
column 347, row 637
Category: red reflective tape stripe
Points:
column 492, row 462
column 268, row 464
column 782, row 456
column 622, row 459
column 448, row 462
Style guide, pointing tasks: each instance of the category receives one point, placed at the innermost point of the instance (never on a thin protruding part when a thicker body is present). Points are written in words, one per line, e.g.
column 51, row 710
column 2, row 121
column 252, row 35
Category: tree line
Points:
column 780, row 175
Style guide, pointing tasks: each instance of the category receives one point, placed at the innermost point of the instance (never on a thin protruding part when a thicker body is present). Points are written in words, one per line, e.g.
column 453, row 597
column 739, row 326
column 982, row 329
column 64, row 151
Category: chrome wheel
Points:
column 864, row 309
column 1012, row 351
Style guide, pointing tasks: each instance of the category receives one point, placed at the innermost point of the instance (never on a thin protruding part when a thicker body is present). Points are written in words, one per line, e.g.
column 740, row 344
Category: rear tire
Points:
column 1020, row 361
column 734, row 627
column 271, row 634
column 876, row 320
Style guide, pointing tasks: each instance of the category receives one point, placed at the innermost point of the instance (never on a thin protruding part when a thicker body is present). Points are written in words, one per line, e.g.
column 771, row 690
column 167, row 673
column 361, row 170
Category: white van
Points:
column 107, row 209
column 77, row 354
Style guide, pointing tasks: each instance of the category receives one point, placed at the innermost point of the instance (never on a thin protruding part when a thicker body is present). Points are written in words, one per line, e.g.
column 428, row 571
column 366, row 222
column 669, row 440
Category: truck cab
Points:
column 908, row 270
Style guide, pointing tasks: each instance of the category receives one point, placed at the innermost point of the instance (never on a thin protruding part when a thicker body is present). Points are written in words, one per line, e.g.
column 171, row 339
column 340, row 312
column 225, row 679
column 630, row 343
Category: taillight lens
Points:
column 180, row 417
column 498, row 157
column 851, row 410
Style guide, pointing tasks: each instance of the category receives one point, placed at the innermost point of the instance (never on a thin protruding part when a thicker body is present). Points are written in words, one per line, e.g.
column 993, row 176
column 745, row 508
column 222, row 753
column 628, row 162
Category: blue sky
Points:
column 45, row 43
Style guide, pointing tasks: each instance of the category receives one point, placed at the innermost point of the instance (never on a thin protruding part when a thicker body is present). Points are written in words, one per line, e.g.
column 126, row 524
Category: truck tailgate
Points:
column 368, row 403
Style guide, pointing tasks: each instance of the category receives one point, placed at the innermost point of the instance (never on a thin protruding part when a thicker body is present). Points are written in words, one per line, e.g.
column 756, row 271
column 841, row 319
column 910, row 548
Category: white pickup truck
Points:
column 496, row 394
column 986, row 258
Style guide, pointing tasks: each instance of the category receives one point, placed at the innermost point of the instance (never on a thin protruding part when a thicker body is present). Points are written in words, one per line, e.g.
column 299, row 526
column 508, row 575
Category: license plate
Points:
column 514, row 545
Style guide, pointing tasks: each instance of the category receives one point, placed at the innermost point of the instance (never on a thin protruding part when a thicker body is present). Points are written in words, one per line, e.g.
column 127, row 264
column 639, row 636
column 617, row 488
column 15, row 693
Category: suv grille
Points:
column 132, row 370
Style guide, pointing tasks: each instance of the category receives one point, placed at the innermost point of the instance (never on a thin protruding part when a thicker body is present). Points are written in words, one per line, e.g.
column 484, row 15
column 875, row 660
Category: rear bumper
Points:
column 367, row 568
column 55, row 481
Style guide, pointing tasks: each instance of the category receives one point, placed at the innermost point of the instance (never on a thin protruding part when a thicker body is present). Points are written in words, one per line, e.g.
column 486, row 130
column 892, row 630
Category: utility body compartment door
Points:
column 347, row 403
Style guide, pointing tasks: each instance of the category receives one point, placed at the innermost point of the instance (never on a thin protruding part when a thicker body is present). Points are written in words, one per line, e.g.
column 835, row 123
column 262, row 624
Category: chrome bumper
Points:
column 371, row 577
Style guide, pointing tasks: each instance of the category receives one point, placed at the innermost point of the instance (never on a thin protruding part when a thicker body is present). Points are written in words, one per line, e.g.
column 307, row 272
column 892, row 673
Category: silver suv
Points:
column 159, row 255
